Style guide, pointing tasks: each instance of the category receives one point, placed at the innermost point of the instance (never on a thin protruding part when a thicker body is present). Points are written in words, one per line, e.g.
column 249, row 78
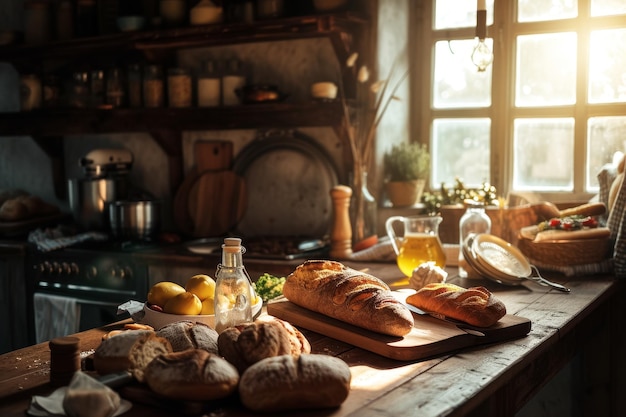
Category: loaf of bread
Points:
column 184, row 335
column 130, row 350
column 286, row 382
column 246, row 344
column 191, row 375
column 476, row 305
column 343, row 293
column 24, row 206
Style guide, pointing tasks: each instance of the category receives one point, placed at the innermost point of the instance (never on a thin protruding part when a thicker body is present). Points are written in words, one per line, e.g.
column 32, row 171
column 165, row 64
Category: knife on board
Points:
column 459, row 324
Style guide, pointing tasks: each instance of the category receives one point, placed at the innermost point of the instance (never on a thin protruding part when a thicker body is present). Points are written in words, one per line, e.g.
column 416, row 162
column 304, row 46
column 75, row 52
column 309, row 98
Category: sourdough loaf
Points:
column 286, row 382
column 476, row 305
column 191, row 375
column 130, row 350
column 246, row 344
column 185, row 335
column 343, row 293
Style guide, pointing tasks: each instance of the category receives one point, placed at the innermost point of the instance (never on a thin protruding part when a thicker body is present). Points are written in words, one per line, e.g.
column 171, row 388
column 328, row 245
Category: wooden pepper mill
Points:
column 341, row 233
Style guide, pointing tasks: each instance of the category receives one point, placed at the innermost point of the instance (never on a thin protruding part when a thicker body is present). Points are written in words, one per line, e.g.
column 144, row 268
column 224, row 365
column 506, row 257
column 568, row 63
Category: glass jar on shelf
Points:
column 209, row 85
column 153, row 86
column 179, row 88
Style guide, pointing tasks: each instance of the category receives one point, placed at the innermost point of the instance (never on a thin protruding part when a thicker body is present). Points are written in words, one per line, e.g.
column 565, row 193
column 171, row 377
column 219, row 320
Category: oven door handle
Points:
column 85, row 301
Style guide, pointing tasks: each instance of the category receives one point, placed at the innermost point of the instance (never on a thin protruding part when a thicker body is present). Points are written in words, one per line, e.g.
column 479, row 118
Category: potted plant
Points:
column 407, row 166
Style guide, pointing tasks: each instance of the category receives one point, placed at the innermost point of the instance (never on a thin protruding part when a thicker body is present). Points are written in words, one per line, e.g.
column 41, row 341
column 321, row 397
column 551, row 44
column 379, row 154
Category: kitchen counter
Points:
column 495, row 380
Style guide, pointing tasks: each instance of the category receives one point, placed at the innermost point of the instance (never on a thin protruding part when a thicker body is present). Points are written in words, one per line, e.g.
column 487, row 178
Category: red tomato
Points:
column 555, row 222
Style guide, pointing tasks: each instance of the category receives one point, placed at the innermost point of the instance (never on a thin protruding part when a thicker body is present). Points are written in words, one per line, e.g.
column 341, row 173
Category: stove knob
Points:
column 121, row 272
column 69, row 268
column 56, row 268
column 91, row 272
column 45, row 268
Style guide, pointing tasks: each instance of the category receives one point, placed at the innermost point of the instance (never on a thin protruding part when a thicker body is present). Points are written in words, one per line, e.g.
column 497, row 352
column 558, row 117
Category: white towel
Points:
column 55, row 316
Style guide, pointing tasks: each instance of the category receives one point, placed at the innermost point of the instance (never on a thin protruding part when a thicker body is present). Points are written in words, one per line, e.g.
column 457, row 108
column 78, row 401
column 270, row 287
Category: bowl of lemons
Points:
column 169, row 302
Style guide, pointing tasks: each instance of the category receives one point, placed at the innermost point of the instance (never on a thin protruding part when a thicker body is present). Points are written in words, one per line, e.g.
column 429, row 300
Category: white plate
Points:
column 157, row 319
column 501, row 257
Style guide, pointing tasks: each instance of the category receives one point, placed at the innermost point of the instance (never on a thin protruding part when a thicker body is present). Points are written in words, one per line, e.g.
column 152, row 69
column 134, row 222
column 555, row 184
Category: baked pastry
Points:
column 192, row 375
column 476, row 305
column 184, row 335
column 13, row 210
column 246, row 344
column 343, row 293
column 130, row 350
column 286, row 382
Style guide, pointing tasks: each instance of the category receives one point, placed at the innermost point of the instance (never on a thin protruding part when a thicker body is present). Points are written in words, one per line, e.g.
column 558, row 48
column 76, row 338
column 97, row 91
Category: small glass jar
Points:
column 209, row 86
column 179, row 88
column 153, row 87
column 474, row 221
column 97, row 87
column 115, row 92
column 134, row 85
column 78, row 96
column 233, row 79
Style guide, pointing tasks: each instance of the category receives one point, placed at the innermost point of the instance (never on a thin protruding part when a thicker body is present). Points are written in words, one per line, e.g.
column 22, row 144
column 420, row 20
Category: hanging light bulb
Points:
column 481, row 56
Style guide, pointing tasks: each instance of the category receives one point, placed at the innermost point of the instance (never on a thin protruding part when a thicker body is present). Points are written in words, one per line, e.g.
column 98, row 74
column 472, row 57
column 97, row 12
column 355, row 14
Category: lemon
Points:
column 208, row 306
column 183, row 303
column 201, row 285
column 162, row 291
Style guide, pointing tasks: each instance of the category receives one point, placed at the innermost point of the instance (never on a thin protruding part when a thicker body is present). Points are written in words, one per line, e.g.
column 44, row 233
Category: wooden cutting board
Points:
column 217, row 201
column 430, row 337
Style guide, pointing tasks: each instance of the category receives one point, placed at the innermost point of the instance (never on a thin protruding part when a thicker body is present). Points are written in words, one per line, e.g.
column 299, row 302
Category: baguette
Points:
column 286, row 382
column 475, row 305
column 330, row 288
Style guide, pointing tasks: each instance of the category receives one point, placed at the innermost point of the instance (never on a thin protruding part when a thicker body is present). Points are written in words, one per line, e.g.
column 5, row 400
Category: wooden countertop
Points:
column 496, row 379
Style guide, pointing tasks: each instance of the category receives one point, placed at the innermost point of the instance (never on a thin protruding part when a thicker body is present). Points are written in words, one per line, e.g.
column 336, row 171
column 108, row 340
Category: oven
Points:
column 76, row 289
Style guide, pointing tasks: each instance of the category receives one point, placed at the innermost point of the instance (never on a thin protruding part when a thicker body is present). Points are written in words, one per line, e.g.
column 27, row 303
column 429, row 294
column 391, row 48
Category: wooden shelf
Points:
column 63, row 122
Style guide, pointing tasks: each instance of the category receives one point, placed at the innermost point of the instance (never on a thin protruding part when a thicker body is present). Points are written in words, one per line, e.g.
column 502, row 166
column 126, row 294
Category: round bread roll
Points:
column 246, row 344
column 130, row 350
column 191, row 375
column 13, row 210
column 286, row 382
column 185, row 335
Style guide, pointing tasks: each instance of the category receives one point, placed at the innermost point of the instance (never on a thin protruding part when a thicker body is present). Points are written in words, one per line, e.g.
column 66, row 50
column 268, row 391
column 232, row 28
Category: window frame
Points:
column 502, row 111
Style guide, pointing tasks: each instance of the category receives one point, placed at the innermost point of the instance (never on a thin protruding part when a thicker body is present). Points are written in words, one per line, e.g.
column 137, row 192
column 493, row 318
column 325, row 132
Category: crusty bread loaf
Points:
column 185, row 335
column 13, row 210
column 286, row 382
column 476, row 305
column 192, row 375
column 363, row 300
column 246, row 344
column 130, row 350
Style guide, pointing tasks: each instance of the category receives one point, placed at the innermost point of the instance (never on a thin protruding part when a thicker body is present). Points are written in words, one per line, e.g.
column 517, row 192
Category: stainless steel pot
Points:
column 90, row 199
column 135, row 220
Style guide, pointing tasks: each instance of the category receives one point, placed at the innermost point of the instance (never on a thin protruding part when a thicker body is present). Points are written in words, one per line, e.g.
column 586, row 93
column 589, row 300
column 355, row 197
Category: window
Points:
column 545, row 116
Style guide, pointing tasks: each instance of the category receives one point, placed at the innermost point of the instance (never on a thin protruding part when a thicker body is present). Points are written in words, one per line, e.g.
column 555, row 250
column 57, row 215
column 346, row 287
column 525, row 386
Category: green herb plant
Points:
column 407, row 161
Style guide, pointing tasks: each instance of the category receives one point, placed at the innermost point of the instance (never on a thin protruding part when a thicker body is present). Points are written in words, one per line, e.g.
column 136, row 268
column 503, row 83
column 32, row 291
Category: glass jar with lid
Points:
column 179, row 87
column 474, row 221
column 153, row 86
column 209, row 85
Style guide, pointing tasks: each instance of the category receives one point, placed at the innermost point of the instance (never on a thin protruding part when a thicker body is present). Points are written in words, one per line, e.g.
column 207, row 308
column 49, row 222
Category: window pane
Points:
column 457, row 82
column 459, row 13
column 543, row 155
column 605, row 136
column 541, row 10
column 607, row 7
column 607, row 66
column 461, row 149
column 546, row 70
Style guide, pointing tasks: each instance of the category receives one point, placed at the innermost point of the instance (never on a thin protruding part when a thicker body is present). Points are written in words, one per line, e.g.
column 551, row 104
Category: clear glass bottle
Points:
column 474, row 221
column 233, row 287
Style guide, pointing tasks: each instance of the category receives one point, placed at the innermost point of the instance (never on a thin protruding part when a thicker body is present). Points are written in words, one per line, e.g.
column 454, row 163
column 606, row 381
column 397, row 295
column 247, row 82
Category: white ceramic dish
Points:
column 157, row 319
column 500, row 256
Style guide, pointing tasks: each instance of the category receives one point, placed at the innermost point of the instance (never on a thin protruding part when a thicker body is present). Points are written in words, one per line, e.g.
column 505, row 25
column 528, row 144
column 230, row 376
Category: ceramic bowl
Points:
column 157, row 319
column 130, row 23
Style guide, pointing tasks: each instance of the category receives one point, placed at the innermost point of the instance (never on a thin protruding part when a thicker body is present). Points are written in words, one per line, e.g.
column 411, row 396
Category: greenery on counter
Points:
column 456, row 195
column 269, row 286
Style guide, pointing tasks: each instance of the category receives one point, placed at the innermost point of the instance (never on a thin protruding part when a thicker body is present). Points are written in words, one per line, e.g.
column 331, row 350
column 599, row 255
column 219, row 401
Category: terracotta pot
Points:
column 405, row 193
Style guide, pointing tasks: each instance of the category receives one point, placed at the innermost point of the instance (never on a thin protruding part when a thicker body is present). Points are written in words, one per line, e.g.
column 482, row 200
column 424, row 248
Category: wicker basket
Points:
column 566, row 252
